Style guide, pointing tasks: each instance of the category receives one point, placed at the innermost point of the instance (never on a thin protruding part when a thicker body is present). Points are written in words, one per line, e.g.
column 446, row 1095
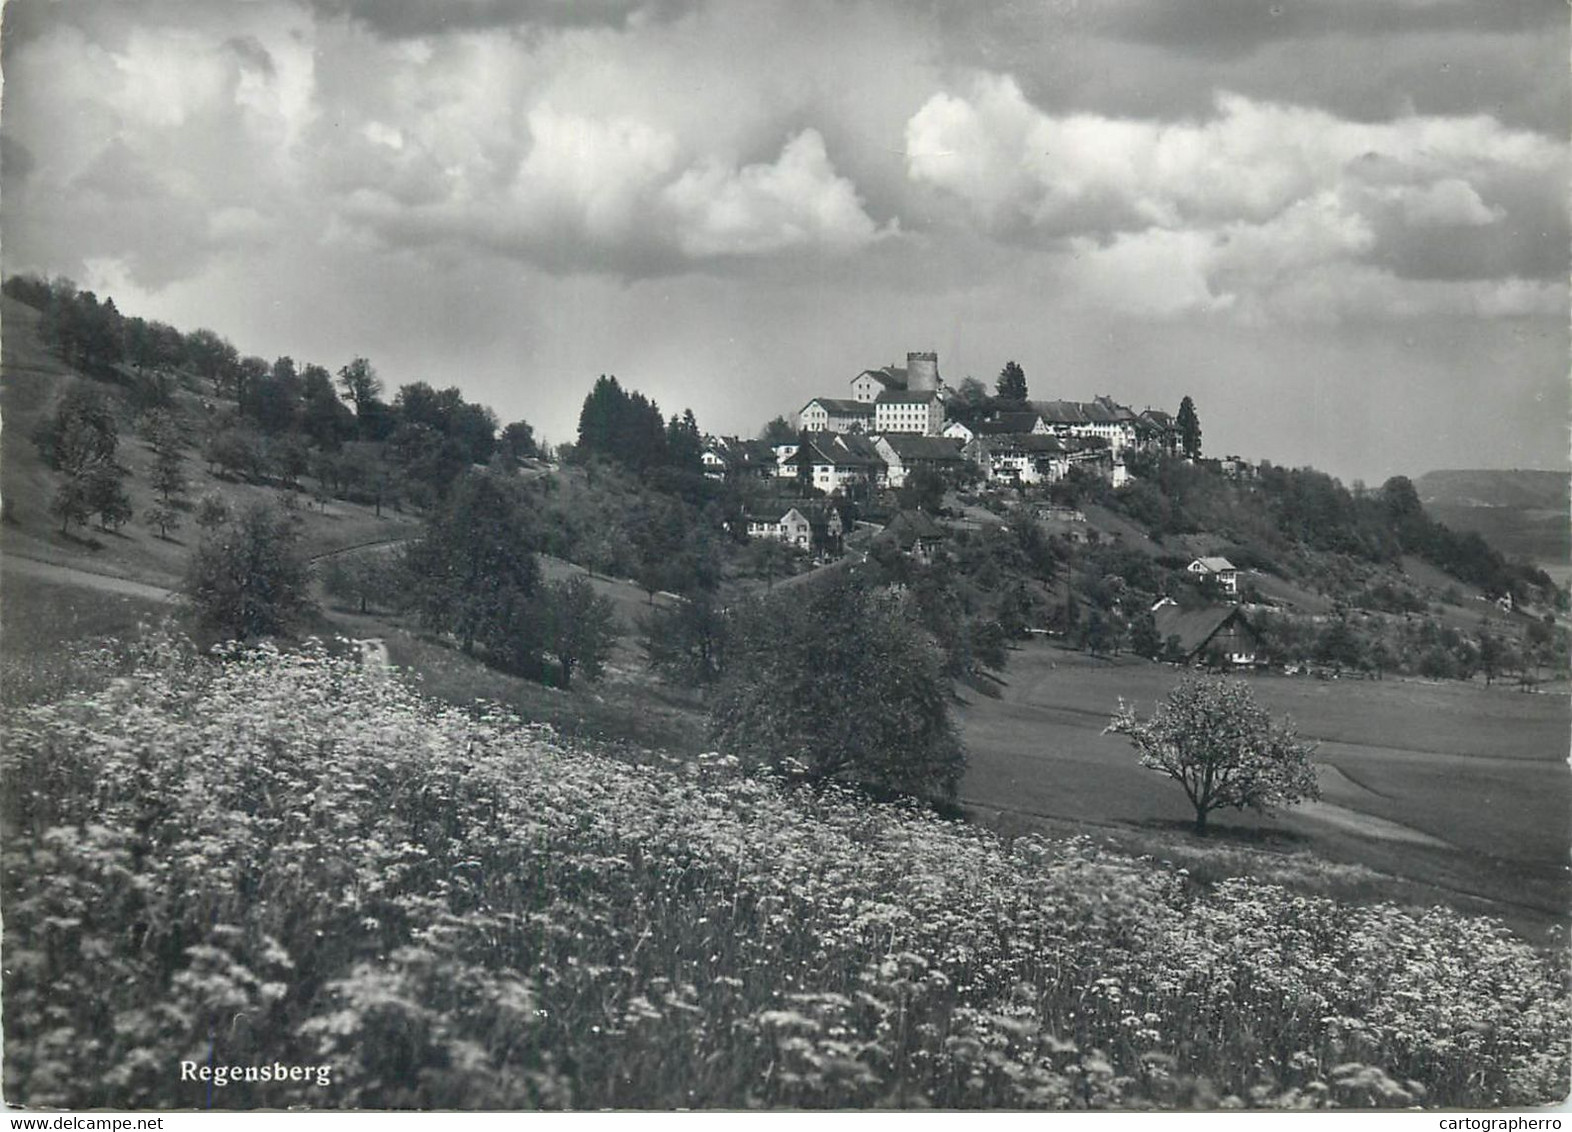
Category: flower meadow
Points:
column 288, row 859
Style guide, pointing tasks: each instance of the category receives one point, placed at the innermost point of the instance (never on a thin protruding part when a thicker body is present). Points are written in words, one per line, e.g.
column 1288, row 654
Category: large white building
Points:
column 909, row 411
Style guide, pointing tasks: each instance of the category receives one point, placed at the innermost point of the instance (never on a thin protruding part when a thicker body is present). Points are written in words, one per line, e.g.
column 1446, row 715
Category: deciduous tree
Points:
column 832, row 681
column 248, row 577
column 1224, row 751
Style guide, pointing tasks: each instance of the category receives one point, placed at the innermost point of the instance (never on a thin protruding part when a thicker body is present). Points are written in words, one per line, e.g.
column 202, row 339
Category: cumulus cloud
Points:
column 1214, row 214
column 761, row 208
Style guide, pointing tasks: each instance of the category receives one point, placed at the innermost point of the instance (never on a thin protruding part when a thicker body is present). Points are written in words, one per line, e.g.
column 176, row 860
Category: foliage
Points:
column 778, row 431
column 1189, row 425
column 293, row 859
column 81, row 431
column 1012, row 382
column 580, row 628
column 1209, row 736
column 833, row 681
column 248, row 578
column 686, row 642
column 374, row 577
column 474, row 574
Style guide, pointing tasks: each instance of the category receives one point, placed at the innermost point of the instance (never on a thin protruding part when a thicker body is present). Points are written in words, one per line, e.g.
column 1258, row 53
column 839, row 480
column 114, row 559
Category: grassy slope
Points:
column 1483, row 770
column 30, row 381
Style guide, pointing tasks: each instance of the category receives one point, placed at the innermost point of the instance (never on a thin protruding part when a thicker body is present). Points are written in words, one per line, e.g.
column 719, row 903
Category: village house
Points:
column 840, row 461
column 728, row 457
column 903, row 453
column 1103, row 419
column 1155, row 431
column 792, row 528
column 1220, row 570
column 1216, row 633
column 914, row 533
column 834, row 414
column 1020, row 458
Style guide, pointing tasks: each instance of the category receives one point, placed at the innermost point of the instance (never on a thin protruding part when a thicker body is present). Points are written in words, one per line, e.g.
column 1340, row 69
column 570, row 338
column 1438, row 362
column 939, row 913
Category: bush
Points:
column 833, row 681
column 247, row 576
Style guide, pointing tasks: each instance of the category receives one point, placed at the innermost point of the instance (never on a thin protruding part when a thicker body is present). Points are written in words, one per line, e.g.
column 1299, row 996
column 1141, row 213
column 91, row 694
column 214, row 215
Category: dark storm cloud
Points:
column 249, row 50
column 1219, row 28
column 401, row 19
column 1365, row 62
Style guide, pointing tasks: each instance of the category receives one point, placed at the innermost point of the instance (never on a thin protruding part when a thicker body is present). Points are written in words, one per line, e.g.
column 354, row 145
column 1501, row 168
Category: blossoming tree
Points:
column 1223, row 749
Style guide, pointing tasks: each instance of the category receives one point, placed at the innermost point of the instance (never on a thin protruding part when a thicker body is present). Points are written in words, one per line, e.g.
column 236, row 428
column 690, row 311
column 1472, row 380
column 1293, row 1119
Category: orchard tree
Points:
column 1012, row 382
column 580, row 627
column 1225, row 751
column 248, row 576
column 1189, row 429
column 833, row 681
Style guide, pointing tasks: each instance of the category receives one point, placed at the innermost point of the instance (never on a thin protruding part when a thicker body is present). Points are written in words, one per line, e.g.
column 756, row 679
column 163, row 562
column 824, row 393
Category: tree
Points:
column 778, row 431
column 106, row 494
column 80, row 432
column 517, row 442
column 1189, row 429
column 832, row 682
column 580, row 627
column 164, row 517
column 361, row 385
column 1012, row 382
column 1210, row 736
column 686, row 643
column 248, row 577
column 922, row 491
column 474, row 573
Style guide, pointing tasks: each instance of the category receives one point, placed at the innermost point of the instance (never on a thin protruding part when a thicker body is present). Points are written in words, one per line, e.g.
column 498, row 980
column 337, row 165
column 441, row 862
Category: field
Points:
column 448, row 909
column 1459, row 793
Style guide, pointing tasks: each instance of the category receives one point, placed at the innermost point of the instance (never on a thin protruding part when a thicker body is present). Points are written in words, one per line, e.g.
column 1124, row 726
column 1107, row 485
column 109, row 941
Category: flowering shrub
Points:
column 289, row 859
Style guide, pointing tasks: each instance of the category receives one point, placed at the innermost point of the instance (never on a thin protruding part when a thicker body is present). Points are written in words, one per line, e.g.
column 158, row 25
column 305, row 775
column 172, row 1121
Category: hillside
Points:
column 1523, row 513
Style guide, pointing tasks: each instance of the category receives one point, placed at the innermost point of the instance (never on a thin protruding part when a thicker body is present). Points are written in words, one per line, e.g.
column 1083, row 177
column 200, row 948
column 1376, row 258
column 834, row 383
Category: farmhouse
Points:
column 1216, row 631
column 914, row 533
column 1156, row 431
column 1221, row 570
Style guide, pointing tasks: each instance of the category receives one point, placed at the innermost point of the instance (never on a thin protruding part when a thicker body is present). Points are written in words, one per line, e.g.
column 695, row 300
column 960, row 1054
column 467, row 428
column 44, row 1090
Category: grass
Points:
column 453, row 910
column 1482, row 769
column 51, row 634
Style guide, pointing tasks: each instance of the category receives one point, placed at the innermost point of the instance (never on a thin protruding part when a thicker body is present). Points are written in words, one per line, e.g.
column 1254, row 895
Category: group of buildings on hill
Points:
column 900, row 419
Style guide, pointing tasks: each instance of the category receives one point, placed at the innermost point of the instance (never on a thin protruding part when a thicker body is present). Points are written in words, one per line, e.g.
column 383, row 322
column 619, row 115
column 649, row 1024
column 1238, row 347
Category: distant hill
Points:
column 1523, row 513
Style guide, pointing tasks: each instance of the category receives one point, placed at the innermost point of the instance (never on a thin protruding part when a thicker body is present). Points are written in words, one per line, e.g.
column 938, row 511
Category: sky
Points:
column 1339, row 226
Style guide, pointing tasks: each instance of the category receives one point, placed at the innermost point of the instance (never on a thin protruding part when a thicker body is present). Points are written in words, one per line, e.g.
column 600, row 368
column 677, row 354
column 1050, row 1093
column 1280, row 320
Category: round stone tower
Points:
column 922, row 371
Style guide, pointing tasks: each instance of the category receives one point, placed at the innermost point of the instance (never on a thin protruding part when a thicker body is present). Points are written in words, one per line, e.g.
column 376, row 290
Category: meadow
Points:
column 1478, row 775
column 292, row 858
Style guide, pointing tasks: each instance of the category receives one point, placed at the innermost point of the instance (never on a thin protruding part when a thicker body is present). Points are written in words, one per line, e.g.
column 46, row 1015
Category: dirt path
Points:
column 71, row 576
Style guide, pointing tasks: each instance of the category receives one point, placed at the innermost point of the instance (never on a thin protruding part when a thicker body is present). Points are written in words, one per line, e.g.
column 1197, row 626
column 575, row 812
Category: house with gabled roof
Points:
column 837, row 414
column 1156, row 431
column 903, row 453
column 792, row 528
column 915, row 533
column 1220, row 631
column 1020, row 458
column 1220, row 570
column 839, row 461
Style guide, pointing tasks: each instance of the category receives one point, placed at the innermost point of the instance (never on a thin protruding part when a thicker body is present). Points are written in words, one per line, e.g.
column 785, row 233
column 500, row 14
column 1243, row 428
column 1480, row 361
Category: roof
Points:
column 891, row 377
column 1010, row 421
column 842, row 406
column 909, row 527
column 1059, row 412
column 1195, row 627
column 1215, row 564
column 909, row 446
column 842, row 449
column 1157, row 417
column 1024, row 442
column 907, row 396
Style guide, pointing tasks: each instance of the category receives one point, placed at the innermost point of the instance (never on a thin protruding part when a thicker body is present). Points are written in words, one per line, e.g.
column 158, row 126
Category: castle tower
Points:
column 922, row 371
